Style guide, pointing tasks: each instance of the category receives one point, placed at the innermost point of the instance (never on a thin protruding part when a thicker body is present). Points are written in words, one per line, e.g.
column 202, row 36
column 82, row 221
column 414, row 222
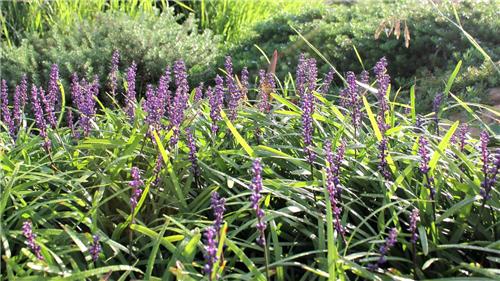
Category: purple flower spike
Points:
column 154, row 107
column 4, row 108
column 244, row 82
column 20, row 98
column 390, row 241
column 256, row 188
column 462, row 136
column 84, row 95
column 216, row 99
column 327, row 82
column 95, row 248
column 30, row 239
column 383, row 81
column 217, row 204
column 39, row 119
column 164, row 94
column 180, row 100
column 113, row 74
column 136, row 183
column 354, row 99
column 53, row 91
column 191, row 143
column 198, row 93
column 266, row 87
column 333, row 184
column 233, row 89
column 383, row 159
column 490, row 168
column 364, row 77
column 414, row 219
column 210, row 251
column 423, row 152
column 130, row 99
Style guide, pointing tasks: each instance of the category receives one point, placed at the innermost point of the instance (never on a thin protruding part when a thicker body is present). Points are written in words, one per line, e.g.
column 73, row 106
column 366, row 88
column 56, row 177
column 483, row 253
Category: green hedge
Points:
column 151, row 41
column 435, row 46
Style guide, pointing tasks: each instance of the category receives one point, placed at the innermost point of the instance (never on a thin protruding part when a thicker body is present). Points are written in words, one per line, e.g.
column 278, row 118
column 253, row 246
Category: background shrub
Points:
column 152, row 42
column 435, row 46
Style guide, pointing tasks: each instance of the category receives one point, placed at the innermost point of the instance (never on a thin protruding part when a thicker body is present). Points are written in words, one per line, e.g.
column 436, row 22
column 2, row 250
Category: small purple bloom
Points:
column 130, row 98
column 95, row 248
column 84, row 95
column 113, row 74
column 233, row 90
column 423, row 153
column 154, row 106
column 30, row 239
column 383, row 81
column 180, row 100
column 490, row 168
column 333, row 185
column 217, row 204
column 256, row 187
column 353, row 99
column 414, row 219
column 327, row 82
column 210, row 251
column 198, row 93
column 244, row 82
column 390, row 241
column 462, row 136
column 4, row 107
column 39, row 118
column 216, row 99
column 20, row 98
column 383, row 159
column 136, row 183
column 53, row 91
column 191, row 143
column 266, row 86
column 364, row 77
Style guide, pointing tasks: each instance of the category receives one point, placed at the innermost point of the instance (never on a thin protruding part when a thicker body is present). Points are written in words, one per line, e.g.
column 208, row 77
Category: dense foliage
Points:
column 435, row 46
column 144, row 39
column 287, row 181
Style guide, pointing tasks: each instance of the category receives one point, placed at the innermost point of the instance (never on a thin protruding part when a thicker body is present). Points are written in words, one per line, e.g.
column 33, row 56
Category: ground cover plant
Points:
column 249, row 176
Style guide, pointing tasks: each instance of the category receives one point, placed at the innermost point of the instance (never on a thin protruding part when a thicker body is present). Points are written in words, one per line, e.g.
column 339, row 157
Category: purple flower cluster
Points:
column 30, row 239
column 306, row 76
column 353, row 99
column 164, row 92
column 414, row 219
column 84, row 96
column 4, row 108
column 217, row 204
column 423, row 153
column 20, row 98
column 233, row 90
column 256, row 188
column 382, row 166
column 198, row 93
column 39, row 118
column 461, row 136
column 113, row 74
column 180, row 100
column 95, row 248
column 216, row 99
column 491, row 164
column 390, row 241
column 266, row 87
column 192, row 153
column 130, row 99
column 333, row 183
column 52, row 96
column 383, row 80
column 327, row 82
column 136, row 183
column 154, row 105
column 210, row 251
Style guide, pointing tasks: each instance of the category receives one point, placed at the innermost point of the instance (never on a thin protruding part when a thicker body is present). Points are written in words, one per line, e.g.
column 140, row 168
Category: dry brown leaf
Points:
column 397, row 29
column 407, row 36
column 379, row 30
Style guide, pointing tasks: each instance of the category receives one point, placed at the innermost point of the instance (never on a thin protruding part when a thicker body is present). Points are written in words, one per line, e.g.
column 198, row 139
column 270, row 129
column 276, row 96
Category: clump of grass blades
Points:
column 77, row 194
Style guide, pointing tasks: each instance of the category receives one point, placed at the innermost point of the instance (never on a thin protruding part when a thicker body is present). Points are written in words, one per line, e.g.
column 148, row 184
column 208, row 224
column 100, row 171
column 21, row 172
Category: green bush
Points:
column 435, row 46
column 152, row 42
